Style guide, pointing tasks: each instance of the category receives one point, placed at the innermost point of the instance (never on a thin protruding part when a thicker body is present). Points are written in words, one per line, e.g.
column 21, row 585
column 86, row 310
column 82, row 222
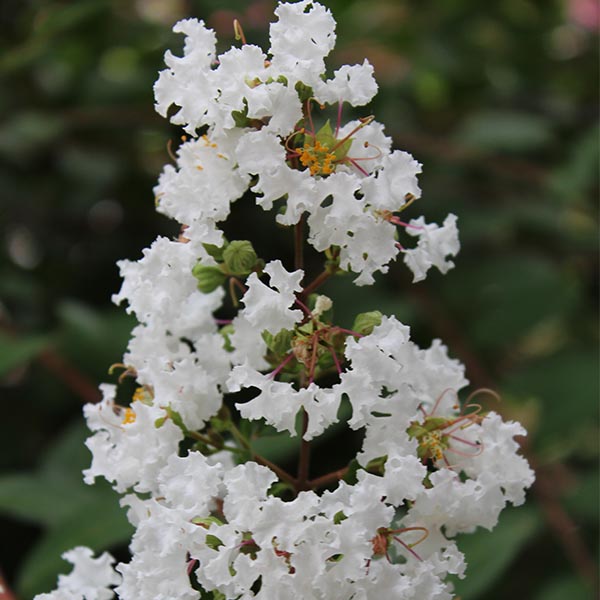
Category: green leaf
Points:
column 561, row 588
column 40, row 499
column 15, row 351
column 68, row 457
column 504, row 298
column 489, row 554
column 98, row 524
column 506, row 131
column 566, row 385
column 583, row 499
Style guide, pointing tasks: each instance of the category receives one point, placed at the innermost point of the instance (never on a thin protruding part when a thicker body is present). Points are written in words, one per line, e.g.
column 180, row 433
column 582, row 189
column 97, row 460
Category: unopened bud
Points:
column 240, row 257
column 278, row 344
column 322, row 304
column 366, row 322
column 209, row 278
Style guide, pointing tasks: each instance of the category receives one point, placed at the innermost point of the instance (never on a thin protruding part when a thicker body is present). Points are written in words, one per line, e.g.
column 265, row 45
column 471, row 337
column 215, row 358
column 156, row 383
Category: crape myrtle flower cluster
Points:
column 213, row 518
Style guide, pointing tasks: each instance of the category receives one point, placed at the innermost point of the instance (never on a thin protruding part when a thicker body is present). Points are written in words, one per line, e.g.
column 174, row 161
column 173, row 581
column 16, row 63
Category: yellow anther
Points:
column 434, row 444
column 207, row 141
column 200, row 167
column 129, row 416
column 317, row 158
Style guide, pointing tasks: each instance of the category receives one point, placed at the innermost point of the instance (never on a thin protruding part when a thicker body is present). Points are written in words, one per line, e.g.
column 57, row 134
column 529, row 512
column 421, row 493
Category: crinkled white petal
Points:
column 434, row 246
column 267, row 309
column 354, row 84
column 128, row 454
column 90, row 579
column 186, row 81
column 301, row 38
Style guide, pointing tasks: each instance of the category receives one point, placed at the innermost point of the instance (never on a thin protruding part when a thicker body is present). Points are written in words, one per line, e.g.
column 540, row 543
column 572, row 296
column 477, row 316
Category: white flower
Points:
column 434, row 246
column 267, row 309
column 91, row 578
column 128, row 449
column 186, row 82
column 300, row 40
column 427, row 469
column 353, row 84
column 278, row 403
column 203, row 186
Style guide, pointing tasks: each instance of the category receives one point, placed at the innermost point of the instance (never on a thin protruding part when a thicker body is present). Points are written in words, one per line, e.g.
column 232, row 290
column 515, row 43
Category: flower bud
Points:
column 216, row 251
column 366, row 322
column 278, row 344
column 209, row 278
column 240, row 257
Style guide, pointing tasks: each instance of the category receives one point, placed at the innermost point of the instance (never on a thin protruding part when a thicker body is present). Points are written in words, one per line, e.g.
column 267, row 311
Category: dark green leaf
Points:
column 489, row 554
column 15, row 351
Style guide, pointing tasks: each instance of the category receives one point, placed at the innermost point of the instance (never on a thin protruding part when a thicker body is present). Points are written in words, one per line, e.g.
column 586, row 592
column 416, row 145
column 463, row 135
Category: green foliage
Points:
column 490, row 554
column 71, row 512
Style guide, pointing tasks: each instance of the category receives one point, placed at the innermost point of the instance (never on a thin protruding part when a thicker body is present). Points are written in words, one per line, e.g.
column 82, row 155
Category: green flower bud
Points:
column 278, row 344
column 366, row 322
column 209, row 278
column 240, row 257
column 216, row 251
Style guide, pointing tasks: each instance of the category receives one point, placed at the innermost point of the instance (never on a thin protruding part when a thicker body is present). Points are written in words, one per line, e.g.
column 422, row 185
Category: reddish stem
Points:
column 325, row 480
column 316, row 283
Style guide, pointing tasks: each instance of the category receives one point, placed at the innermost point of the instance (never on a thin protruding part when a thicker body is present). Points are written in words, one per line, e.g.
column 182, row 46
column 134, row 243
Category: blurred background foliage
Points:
column 497, row 99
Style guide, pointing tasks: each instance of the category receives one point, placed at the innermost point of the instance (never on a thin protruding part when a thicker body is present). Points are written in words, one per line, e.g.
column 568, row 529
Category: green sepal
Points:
column 416, row 430
column 335, row 558
column 213, row 542
column 216, row 251
column 280, row 343
column 209, row 278
column 305, row 92
column 325, row 136
column 240, row 117
column 226, row 332
column 339, row 517
column 176, row 418
column 377, row 465
column 364, row 323
column 306, row 329
column 433, row 423
column 239, row 257
column 206, row 522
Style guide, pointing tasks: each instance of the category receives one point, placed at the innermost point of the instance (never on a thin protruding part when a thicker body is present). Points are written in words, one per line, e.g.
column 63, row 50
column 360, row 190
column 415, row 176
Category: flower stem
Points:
column 325, row 480
column 317, row 282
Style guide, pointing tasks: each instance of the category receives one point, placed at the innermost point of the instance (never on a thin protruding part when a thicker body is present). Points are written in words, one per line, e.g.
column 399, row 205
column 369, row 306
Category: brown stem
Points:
column 317, row 282
column 325, row 480
column 283, row 475
column 304, row 460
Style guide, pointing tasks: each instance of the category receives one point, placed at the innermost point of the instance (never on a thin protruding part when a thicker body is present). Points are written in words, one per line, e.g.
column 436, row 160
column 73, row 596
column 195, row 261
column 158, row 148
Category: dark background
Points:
column 498, row 100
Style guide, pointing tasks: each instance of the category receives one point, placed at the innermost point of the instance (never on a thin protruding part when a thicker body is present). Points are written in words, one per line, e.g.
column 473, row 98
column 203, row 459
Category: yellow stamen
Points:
column 129, row 416
column 318, row 158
